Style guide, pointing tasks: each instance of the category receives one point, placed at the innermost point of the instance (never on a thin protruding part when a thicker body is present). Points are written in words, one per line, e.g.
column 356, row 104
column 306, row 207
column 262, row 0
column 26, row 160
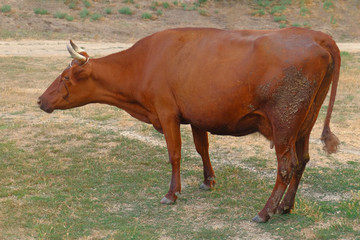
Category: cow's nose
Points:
column 39, row 101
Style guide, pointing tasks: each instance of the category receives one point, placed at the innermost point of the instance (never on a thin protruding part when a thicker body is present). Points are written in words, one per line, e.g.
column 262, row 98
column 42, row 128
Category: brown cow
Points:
column 223, row 82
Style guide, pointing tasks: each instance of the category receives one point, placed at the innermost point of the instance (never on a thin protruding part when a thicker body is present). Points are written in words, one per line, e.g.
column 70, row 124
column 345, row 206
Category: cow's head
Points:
column 73, row 87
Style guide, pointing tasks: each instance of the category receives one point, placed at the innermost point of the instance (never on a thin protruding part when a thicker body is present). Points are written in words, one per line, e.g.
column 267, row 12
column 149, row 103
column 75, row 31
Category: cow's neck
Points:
column 117, row 77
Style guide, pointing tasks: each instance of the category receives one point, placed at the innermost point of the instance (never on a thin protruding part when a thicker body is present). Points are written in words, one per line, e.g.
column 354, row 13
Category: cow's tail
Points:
column 327, row 137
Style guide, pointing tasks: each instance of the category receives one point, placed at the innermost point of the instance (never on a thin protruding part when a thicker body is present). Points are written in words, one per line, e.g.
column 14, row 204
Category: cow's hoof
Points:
column 166, row 201
column 258, row 219
column 203, row 186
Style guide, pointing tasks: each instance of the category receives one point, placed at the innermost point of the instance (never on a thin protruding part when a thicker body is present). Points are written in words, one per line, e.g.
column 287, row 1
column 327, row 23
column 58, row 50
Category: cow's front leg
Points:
column 171, row 129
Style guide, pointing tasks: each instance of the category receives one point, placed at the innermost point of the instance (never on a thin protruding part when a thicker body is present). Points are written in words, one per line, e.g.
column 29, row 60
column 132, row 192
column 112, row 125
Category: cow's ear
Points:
column 78, row 73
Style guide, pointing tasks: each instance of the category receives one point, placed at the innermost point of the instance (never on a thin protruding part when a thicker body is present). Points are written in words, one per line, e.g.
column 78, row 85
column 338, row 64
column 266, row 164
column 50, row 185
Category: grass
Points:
column 277, row 9
column 72, row 5
column 165, row 5
column 146, row 15
column 75, row 175
column 260, row 12
column 126, row 11
column 108, row 10
column 304, row 11
column 159, row 12
column 96, row 17
column 84, row 13
column 333, row 19
column 328, row 4
column 69, row 17
column 5, row 8
column 40, row 11
column 203, row 12
column 263, row 3
column 60, row 15
column 154, row 5
column 306, row 25
column 87, row 4
column 279, row 18
column 286, row 2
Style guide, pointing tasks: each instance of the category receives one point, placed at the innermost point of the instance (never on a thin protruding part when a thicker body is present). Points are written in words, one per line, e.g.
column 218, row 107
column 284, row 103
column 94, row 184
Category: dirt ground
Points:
column 23, row 32
column 339, row 19
column 44, row 48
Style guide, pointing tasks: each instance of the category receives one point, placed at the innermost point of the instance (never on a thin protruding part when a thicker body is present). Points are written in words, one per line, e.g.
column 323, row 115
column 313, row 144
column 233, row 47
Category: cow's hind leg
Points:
column 202, row 147
column 286, row 155
column 302, row 151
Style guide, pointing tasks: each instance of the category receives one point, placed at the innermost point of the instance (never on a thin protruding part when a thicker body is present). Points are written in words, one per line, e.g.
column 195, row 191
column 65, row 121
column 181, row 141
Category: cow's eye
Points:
column 66, row 78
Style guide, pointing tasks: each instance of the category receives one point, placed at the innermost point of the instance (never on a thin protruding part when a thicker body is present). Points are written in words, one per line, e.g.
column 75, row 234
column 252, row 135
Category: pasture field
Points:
column 96, row 173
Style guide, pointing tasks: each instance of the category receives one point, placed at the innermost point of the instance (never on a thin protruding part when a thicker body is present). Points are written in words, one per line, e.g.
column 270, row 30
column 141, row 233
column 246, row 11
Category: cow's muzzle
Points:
column 43, row 106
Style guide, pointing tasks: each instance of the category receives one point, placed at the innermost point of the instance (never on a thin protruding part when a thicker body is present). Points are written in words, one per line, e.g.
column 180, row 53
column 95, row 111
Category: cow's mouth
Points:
column 44, row 107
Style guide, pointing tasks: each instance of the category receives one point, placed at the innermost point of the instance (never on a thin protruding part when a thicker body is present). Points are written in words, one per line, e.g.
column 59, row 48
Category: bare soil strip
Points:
column 44, row 48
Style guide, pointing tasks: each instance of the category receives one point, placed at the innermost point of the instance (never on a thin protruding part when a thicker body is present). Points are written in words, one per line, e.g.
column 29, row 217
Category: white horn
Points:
column 74, row 54
column 76, row 48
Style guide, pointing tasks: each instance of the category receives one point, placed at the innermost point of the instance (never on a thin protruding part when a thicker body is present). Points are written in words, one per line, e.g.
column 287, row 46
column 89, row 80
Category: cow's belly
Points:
column 237, row 120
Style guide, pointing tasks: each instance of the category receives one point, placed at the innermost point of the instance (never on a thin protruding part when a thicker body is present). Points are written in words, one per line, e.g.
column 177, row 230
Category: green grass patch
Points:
column 159, row 12
column 87, row 4
column 84, row 13
column 69, row 18
column 306, row 25
column 5, row 8
column 126, row 11
column 146, row 15
column 346, row 54
column 60, row 15
column 263, row 3
column 277, row 9
column 96, row 17
column 203, row 12
column 333, row 20
column 280, row 18
column 304, row 11
column 336, row 231
column 40, row 11
column 286, row 2
column 108, row 10
column 328, row 4
column 333, row 180
column 72, row 5
column 165, row 5
column 260, row 12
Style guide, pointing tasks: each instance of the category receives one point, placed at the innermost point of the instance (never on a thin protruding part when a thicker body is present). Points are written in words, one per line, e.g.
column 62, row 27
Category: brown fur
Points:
column 330, row 140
